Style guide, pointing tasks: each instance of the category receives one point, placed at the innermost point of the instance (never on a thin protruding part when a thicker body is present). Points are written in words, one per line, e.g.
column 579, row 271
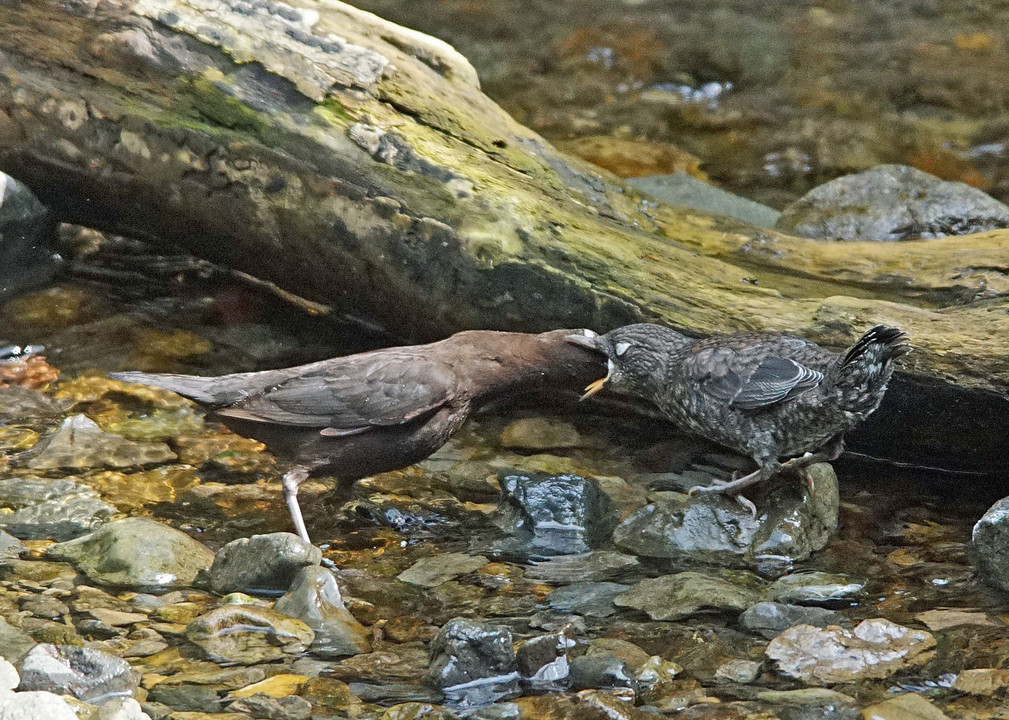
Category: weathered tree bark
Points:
column 357, row 163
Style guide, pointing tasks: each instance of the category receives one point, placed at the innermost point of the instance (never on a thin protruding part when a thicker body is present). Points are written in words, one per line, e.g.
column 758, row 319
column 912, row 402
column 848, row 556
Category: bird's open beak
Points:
column 596, row 386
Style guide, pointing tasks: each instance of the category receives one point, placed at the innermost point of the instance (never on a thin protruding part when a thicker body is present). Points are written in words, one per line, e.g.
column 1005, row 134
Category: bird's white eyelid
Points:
column 621, row 348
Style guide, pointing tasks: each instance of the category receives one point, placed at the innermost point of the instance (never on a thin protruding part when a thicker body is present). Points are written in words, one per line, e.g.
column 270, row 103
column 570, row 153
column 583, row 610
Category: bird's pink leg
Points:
column 292, row 480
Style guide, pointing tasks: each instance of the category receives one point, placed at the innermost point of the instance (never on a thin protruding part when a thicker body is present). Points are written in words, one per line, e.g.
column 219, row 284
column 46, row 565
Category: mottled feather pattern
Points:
column 768, row 395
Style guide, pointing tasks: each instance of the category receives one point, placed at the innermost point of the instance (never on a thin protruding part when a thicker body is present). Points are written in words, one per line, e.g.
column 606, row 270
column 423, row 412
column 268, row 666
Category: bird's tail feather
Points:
column 214, row 391
column 864, row 371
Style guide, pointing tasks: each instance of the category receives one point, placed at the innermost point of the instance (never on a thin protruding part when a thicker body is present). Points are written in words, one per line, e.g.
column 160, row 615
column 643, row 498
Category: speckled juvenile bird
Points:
column 355, row 416
column 767, row 395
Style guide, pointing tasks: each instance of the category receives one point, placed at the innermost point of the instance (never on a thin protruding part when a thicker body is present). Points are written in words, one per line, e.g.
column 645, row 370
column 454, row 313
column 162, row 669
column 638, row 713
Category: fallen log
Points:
column 357, row 163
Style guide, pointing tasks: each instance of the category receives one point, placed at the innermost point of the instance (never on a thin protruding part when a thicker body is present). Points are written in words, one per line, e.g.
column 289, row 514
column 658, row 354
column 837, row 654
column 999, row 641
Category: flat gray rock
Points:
column 990, row 545
column 439, row 569
column 681, row 188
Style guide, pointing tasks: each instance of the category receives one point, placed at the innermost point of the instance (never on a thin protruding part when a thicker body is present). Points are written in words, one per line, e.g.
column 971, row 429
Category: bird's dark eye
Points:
column 621, row 348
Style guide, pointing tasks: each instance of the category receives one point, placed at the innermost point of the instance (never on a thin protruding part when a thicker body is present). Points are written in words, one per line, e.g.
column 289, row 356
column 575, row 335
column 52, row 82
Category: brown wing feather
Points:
column 358, row 392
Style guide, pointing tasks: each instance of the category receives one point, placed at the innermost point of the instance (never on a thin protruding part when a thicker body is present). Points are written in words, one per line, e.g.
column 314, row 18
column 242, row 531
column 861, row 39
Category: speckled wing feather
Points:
column 353, row 394
column 747, row 378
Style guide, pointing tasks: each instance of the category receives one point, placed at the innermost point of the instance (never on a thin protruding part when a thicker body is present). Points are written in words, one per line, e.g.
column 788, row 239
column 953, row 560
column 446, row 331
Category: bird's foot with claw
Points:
column 725, row 487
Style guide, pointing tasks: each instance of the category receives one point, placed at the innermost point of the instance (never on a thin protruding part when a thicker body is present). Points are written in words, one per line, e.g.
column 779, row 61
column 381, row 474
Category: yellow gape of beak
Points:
column 596, row 386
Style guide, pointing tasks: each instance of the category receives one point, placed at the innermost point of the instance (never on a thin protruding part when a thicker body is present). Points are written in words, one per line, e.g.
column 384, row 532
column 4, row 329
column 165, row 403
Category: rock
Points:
column 14, row 642
column 291, row 707
column 23, row 405
column 314, row 598
column 876, row 648
column 437, row 569
column 9, row 678
column 596, row 566
column 538, row 434
column 48, row 509
column 248, row 634
column 815, row 588
column 588, row 598
column 136, row 553
column 655, row 678
column 942, row 619
column 261, row 562
column 543, row 661
column 990, row 545
column 85, row 673
column 892, row 202
column 10, row 546
column 35, row 705
column 904, row 707
column 418, row 711
column 80, row 444
column 681, row 188
column 474, row 663
column 547, row 515
column 27, row 239
column 982, row 681
column 604, row 672
column 738, row 671
column 811, row 704
column 186, row 697
column 673, row 597
column 770, row 618
column 121, row 709
column 792, row 523
column 627, row 651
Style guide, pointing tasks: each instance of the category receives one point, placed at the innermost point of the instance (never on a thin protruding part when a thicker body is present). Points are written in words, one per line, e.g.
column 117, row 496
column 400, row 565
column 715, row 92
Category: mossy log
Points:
column 358, row 164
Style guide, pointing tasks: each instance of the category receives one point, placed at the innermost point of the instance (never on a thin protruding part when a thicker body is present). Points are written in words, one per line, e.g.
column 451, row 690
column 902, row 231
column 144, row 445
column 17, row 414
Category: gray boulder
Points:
column 889, row 203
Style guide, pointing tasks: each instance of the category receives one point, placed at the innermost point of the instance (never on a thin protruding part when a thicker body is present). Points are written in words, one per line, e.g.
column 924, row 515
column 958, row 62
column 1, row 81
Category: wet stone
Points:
column 261, row 562
column 395, row 693
column 673, row 597
column 770, row 618
column 990, row 545
column 655, row 678
column 738, row 671
column 195, row 698
column 543, row 661
column 588, row 598
column 792, row 523
column 602, row 672
column 10, row 546
column 22, row 406
column 889, row 203
column 291, row 707
column 248, row 634
column 811, row 704
column 85, row 673
column 31, row 705
column 546, row 515
column 596, row 566
column 27, row 238
column 874, row 649
column 815, row 588
column 80, row 444
column 437, row 569
column 137, row 553
column 538, row 434
column 473, row 663
column 982, row 681
column 418, row 711
column 904, row 707
column 45, row 606
column 121, row 709
column 627, row 651
column 314, row 598
column 51, row 509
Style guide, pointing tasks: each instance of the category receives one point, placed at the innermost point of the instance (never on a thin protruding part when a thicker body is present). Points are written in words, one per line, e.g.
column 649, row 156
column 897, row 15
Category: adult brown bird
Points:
column 373, row 412
column 768, row 395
